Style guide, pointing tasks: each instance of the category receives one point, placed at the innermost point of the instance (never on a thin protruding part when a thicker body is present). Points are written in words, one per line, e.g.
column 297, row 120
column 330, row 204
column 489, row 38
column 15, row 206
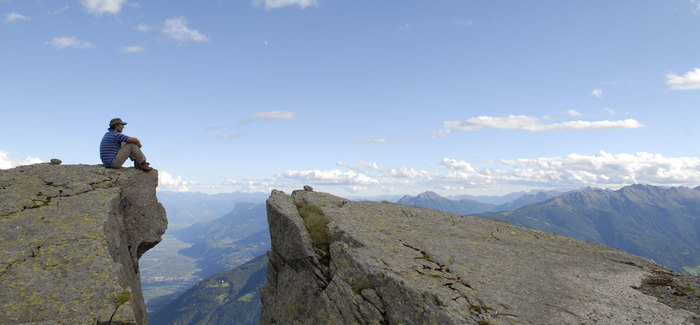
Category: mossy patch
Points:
column 315, row 222
column 122, row 298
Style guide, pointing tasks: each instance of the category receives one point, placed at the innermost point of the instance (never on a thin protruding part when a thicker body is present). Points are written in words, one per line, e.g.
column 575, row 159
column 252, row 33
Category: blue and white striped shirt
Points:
column 110, row 145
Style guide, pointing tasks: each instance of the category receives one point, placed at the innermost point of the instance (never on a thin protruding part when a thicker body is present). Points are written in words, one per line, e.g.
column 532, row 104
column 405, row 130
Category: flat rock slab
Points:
column 391, row 264
column 70, row 239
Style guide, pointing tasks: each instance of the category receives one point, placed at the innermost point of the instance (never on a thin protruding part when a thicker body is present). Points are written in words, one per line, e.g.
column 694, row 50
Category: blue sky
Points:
column 360, row 97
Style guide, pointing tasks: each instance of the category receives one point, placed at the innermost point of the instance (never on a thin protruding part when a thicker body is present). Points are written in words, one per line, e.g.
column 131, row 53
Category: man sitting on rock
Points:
column 116, row 147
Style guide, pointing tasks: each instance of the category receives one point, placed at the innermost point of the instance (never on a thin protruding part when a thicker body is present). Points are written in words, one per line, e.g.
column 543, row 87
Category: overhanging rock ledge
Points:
column 70, row 240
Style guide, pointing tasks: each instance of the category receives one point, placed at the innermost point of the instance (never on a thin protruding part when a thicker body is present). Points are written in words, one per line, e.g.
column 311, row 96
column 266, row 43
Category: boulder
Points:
column 70, row 240
column 384, row 263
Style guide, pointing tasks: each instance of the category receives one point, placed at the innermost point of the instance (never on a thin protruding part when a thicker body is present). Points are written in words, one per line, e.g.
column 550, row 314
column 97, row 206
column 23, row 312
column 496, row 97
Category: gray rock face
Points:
column 70, row 240
column 390, row 264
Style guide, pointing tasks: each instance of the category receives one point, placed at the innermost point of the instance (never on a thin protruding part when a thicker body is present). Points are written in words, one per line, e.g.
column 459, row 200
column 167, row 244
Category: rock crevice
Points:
column 70, row 240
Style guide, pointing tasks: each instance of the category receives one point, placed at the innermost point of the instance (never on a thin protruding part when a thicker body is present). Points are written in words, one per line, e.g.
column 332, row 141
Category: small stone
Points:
column 56, row 161
column 308, row 188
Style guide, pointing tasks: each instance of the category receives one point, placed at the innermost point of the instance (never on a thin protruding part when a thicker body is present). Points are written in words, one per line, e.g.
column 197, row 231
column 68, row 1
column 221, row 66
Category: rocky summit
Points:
column 335, row 261
column 70, row 240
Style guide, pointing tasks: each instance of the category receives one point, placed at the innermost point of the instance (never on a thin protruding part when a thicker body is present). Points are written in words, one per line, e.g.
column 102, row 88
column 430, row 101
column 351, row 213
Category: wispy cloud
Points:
column 696, row 6
column 132, row 49
column 176, row 28
column 61, row 43
column 609, row 110
column 405, row 27
column 100, row 7
column 464, row 22
column 6, row 162
column 269, row 116
column 574, row 112
column 597, row 93
column 361, row 166
column 530, row 123
column 273, row 4
column 690, row 80
column 274, row 115
column 372, row 140
column 58, row 11
column 143, row 28
column 15, row 17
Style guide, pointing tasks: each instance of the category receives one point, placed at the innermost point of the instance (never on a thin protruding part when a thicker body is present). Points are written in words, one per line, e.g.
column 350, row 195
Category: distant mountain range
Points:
column 230, row 297
column 228, row 241
column 187, row 208
column 432, row 200
column 659, row 223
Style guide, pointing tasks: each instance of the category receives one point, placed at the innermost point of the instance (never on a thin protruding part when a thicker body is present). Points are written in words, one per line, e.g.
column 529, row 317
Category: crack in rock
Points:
column 22, row 260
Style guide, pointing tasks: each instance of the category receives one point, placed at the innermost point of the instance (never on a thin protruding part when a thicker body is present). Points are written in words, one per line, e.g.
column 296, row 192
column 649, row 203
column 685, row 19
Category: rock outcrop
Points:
column 70, row 240
column 335, row 261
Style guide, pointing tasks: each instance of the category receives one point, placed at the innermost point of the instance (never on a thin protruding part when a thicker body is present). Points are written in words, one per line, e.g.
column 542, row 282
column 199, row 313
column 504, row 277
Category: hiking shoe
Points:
column 143, row 166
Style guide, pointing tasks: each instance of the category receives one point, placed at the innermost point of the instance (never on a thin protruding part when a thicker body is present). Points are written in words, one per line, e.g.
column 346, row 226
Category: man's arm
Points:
column 134, row 140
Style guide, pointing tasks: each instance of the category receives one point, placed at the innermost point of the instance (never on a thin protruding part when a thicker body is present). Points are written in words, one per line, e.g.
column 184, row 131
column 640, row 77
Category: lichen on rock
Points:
column 70, row 240
column 391, row 264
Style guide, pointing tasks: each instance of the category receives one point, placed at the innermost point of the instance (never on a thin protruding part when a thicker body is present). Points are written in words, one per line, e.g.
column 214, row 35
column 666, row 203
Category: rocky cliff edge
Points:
column 70, row 240
column 335, row 261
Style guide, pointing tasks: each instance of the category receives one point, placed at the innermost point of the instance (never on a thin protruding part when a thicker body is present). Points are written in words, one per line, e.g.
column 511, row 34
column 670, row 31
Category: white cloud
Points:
column 100, row 7
column 333, row 176
column 530, row 123
column 572, row 171
column 405, row 27
column 61, row 43
column 143, row 28
column 176, row 28
column 597, row 93
column 6, row 162
column 457, row 176
column 273, row 115
column 169, row 183
column 369, row 164
column 13, row 17
column 574, row 112
column 273, row 4
column 230, row 181
column 132, row 49
column 373, row 140
column 690, row 80
column 361, row 167
column 270, row 116
column 609, row 110
column 457, row 165
column 605, row 169
column 404, row 172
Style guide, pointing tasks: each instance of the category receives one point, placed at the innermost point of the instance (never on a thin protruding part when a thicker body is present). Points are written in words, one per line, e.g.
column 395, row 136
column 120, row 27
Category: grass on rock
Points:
column 316, row 224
